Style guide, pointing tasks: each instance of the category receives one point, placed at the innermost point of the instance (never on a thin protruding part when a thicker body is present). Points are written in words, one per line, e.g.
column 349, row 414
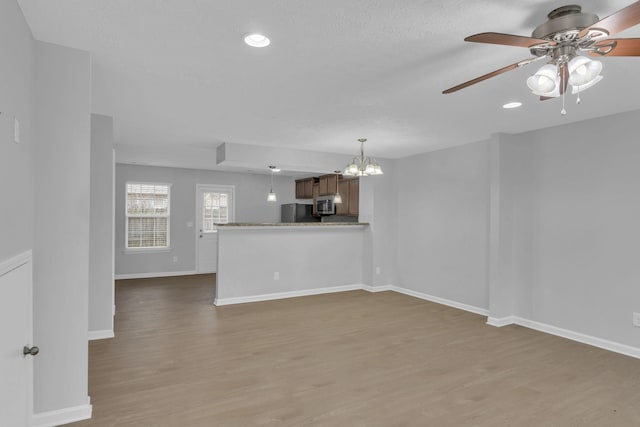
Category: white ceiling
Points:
column 177, row 73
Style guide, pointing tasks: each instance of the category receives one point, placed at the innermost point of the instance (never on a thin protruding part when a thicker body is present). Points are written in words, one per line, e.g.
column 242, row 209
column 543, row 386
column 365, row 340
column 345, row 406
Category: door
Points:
column 215, row 206
column 16, row 369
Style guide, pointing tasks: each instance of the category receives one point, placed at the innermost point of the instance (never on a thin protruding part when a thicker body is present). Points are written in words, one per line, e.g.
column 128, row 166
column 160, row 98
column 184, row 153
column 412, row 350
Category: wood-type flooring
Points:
column 344, row 359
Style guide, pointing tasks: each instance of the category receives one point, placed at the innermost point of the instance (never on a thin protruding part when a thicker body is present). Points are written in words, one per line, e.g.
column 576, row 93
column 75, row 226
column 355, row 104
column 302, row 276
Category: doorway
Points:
column 215, row 205
column 16, row 330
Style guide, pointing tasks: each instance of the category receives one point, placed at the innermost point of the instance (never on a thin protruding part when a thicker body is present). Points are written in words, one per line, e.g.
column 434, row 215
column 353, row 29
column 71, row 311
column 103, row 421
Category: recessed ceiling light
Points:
column 510, row 105
column 257, row 40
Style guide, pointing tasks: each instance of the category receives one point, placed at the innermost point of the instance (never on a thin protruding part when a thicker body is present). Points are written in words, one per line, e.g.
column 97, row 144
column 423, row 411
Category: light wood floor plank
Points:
column 346, row 359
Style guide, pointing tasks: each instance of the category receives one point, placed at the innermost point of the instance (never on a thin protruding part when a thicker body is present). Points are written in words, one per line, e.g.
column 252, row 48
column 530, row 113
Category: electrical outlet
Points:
column 175, row 259
column 636, row 319
column 276, row 275
column 377, row 270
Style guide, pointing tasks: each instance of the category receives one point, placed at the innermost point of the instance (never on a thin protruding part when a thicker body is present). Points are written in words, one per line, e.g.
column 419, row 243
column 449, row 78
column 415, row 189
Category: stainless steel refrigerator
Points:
column 297, row 212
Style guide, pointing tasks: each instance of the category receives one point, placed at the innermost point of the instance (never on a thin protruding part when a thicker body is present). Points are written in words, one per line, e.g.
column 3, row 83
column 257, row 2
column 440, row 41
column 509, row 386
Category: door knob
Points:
column 30, row 351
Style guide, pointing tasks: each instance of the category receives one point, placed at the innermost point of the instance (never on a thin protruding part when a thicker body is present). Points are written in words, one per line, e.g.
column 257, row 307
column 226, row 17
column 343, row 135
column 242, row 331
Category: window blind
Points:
column 147, row 215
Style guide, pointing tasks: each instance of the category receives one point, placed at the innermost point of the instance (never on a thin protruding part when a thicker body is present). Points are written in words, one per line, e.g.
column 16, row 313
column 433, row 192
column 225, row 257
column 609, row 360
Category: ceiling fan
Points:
column 562, row 40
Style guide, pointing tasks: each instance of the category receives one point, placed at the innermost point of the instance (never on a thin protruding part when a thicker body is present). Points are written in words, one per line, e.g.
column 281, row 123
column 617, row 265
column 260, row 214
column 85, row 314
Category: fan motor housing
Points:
column 563, row 22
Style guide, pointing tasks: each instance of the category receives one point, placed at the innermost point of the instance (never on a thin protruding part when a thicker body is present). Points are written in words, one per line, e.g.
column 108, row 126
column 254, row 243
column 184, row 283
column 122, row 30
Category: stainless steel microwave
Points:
column 326, row 206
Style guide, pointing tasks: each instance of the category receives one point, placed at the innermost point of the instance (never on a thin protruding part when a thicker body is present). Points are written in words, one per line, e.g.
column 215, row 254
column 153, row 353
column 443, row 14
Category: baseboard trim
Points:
column 63, row 416
column 580, row 337
column 499, row 322
column 493, row 321
column 443, row 301
column 154, row 275
column 282, row 295
column 375, row 289
column 100, row 335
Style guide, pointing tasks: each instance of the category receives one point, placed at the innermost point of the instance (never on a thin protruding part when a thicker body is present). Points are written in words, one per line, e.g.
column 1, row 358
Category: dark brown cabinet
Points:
column 300, row 190
column 354, row 196
column 343, row 189
column 304, row 188
column 315, row 192
column 328, row 184
column 325, row 185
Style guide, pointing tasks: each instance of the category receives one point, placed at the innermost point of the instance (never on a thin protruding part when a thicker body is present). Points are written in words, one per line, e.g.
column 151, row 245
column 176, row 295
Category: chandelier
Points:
column 362, row 166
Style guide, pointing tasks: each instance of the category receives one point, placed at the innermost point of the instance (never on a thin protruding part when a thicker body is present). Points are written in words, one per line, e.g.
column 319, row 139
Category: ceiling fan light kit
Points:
column 544, row 80
column 564, row 40
column 583, row 70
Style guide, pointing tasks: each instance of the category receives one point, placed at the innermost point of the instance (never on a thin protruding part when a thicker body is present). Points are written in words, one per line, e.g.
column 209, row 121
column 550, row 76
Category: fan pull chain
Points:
column 563, row 112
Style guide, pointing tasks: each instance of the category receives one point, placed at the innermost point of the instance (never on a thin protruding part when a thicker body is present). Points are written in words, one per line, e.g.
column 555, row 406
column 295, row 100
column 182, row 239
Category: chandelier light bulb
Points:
column 369, row 169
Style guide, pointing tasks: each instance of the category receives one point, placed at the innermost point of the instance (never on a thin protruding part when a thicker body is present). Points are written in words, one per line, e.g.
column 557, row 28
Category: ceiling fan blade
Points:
column 618, row 21
column 492, row 74
column 544, row 98
column 508, row 40
column 564, row 78
column 618, row 47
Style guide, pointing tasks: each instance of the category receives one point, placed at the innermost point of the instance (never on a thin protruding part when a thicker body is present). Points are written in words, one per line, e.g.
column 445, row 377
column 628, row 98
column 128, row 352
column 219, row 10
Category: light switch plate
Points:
column 636, row 319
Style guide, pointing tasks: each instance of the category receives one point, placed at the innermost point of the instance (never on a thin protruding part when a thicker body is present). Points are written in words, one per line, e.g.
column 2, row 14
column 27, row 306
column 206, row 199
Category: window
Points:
column 216, row 204
column 216, row 210
column 147, row 215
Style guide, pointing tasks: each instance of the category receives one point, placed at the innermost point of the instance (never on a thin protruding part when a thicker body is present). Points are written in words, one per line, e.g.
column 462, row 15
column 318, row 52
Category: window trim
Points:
column 147, row 249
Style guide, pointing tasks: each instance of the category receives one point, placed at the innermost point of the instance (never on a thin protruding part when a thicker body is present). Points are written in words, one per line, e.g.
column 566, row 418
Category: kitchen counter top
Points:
column 233, row 225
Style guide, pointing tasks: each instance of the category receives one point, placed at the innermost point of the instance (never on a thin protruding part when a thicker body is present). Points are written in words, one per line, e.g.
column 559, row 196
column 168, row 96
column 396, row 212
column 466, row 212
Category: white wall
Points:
column 61, row 251
column 17, row 92
column 585, row 227
column 250, row 206
column 379, row 207
column 306, row 258
column 542, row 226
column 101, row 233
column 510, row 229
column 442, row 224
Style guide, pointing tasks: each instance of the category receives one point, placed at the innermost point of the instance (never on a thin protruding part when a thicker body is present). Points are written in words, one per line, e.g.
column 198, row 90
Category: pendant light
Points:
column 337, row 198
column 271, row 197
column 362, row 166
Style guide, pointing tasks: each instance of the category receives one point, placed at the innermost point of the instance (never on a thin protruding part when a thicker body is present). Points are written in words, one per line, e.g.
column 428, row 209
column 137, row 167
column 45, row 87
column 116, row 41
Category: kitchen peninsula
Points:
column 263, row 261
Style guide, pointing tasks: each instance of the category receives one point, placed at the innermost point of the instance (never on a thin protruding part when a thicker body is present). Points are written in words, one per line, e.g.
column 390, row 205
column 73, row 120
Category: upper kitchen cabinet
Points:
column 304, row 188
column 354, row 197
column 350, row 193
column 343, row 188
column 328, row 184
column 325, row 185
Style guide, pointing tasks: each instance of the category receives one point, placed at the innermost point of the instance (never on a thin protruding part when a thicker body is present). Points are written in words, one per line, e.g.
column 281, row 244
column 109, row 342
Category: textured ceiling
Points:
column 176, row 72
